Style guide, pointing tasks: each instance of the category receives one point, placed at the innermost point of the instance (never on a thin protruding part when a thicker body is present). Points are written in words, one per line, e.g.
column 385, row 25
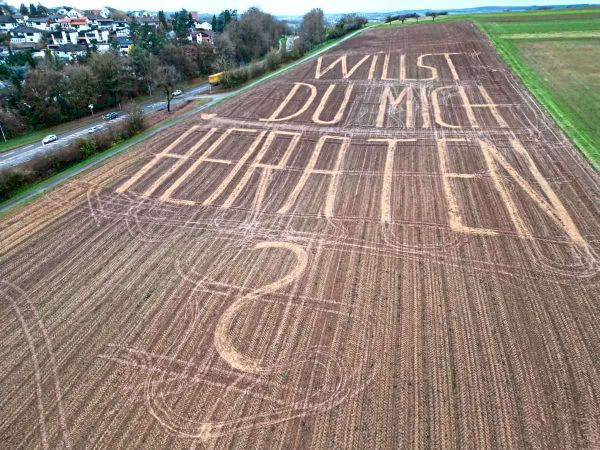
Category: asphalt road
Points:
column 25, row 153
column 48, row 184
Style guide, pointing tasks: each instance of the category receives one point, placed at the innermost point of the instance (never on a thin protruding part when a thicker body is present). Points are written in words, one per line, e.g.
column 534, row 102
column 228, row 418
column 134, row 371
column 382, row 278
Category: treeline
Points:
column 347, row 24
column 250, row 37
column 313, row 31
column 434, row 14
column 31, row 11
column 42, row 93
column 49, row 92
column 403, row 17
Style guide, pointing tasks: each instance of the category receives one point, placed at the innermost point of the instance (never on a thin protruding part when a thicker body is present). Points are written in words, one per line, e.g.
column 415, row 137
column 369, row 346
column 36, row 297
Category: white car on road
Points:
column 49, row 138
column 177, row 93
column 94, row 129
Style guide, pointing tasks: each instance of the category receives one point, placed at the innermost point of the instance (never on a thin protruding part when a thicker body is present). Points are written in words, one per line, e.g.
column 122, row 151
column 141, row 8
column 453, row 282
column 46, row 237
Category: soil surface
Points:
column 390, row 246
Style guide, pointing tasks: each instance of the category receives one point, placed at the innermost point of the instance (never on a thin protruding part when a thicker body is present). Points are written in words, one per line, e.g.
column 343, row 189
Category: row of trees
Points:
column 219, row 23
column 403, row 17
column 314, row 30
column 48, row 95
column 33, row 11
column 251, row 36
column 42, row 93
column 434, row 14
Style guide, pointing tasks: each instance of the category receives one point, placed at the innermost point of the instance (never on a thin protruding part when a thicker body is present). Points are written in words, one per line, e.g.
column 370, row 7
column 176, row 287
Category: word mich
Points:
column 393, row 101
column 185, row 169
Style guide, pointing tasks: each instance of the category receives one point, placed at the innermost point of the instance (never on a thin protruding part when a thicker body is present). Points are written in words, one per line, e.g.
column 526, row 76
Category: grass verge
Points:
column 49, row 176
column 565, row 83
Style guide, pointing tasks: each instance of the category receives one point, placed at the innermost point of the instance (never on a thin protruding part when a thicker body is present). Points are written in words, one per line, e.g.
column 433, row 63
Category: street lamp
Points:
column 2, row 130
column 91, row 109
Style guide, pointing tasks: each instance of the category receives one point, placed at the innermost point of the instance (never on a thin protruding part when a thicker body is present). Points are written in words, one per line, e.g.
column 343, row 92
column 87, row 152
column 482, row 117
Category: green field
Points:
column 556, row 53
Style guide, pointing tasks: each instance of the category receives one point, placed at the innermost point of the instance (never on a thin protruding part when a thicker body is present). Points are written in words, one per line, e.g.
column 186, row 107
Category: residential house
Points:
column 42, row 23
column 200, row 36
column 102, row 48
column 93, row 19
column 20, row 18
column 203, row 26
column 24, row 36
column 141, row 13
column 92, row 37
column 123, row 44
column 122, row 32
column 57, row 38
column 7, row 23
column 55, row 18
column 74, row 13
column 69, row 52
column 78, row 23
column 88, row 37
column 105, row 24
column 151, row 21
column 120, row 23
column 208, row 36
column 121, row 27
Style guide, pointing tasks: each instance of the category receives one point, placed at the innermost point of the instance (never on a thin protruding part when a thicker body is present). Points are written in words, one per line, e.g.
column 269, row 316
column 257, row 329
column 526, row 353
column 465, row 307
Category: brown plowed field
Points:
column 390, row 246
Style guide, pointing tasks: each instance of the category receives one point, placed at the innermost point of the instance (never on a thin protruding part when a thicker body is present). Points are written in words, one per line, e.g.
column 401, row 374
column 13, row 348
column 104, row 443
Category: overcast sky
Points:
column 287, row 7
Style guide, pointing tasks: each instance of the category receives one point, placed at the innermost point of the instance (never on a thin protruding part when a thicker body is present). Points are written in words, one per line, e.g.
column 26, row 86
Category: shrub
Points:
column 300, row 48
column 13, row 180
column 346, row 24
column 58, row 160
column 235, row 77
column 88, row 147
column 12, row 122
column 103, row 140
column 135, row 118
column 272, row 60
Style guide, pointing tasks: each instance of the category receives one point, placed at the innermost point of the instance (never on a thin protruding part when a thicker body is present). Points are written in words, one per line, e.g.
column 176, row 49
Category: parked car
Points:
column 94, row 129
column 177, row 93
column 111, row 116
column 49, row 138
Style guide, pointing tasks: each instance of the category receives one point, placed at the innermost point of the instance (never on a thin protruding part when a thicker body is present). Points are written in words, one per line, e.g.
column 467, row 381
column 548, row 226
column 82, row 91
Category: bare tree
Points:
column 80, row 87
column 144, row 63
column 434, row 14
column 254, row 34
column 312, row 27
column 165, row 78
column 115, row 75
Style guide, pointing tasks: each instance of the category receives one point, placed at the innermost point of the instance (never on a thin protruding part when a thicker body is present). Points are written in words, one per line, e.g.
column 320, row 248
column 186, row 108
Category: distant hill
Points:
column 381, row 15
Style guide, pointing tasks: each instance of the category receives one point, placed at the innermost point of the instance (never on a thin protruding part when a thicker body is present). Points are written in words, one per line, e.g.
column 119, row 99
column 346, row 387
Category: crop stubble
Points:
column 404, row 255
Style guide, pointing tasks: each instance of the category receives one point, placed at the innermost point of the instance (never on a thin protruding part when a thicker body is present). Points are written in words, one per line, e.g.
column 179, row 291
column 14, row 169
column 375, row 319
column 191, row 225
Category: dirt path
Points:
column 388, row 247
